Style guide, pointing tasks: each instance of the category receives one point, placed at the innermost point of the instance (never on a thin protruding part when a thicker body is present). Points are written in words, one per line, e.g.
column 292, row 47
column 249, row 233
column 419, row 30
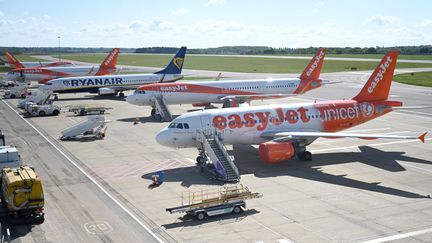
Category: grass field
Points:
column 27, row 58
column 374, row 56
column 4, row 69
column 238, row 64
column 421, row 79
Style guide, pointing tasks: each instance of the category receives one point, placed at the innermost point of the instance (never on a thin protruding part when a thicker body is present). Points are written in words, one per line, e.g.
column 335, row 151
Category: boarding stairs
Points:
column 195, row 200
column 162, row 108
column 218, row 155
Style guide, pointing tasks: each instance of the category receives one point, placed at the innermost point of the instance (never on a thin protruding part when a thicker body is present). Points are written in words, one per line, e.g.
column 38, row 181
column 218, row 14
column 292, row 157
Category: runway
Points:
column 352, row 191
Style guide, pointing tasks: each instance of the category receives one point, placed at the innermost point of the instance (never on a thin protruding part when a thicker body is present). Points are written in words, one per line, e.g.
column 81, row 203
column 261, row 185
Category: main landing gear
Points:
column 304, row 156
column 154, row 115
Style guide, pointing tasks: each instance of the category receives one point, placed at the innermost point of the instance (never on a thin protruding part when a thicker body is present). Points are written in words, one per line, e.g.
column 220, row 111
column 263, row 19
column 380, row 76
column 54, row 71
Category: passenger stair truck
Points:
column 94, row 126
column 201, row 204
column 21, row 195
column 20, row 90
column 212, row 150
column 37, row 97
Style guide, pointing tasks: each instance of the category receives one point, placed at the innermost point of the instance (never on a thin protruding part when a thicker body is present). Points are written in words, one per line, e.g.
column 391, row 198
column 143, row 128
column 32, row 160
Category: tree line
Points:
column 228, row 50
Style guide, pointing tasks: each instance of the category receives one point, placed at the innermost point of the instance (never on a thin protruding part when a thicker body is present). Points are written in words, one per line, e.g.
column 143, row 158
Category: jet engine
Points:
column 200, row 104
column 275, row 152
column 106, row 91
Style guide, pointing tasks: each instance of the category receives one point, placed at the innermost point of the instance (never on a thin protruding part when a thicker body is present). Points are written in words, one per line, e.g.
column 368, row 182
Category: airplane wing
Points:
column 288, row 136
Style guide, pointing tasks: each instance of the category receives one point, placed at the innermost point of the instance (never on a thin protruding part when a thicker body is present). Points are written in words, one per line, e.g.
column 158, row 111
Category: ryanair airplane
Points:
column 116, row 84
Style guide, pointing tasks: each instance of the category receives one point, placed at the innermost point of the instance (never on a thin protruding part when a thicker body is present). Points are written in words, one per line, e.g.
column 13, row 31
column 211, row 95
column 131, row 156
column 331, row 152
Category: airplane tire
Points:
column 153, row 112
column 304, row 156
column 121, row 95
column 200, row 160
column 200, row 216
column 237, row 209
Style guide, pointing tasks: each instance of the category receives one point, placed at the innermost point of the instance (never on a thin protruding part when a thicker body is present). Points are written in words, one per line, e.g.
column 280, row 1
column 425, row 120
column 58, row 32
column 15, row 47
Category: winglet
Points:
column 422, row 137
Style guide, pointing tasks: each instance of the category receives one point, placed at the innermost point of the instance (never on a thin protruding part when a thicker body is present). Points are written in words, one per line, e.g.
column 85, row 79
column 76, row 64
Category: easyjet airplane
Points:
column 43, row 74
column 283, row 131
column 231, row 92
column 113, row 84
column 15, row 63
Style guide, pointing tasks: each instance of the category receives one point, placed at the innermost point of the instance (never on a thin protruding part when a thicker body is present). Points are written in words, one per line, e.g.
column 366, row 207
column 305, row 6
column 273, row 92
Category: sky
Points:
column 213, row 23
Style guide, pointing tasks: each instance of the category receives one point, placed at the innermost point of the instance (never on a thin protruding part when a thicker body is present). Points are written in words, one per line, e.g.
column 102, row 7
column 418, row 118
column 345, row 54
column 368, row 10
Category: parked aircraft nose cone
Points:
column 131, row 99
column 163, row 138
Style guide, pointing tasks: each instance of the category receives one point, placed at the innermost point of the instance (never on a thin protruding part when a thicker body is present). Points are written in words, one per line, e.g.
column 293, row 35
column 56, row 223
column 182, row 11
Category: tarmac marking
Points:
column 399, row 236
column 370, row 145
column 89, row 177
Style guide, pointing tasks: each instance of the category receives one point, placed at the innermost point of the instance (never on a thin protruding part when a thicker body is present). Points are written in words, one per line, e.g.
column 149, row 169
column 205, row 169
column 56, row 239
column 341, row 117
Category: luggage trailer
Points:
column 205, row 203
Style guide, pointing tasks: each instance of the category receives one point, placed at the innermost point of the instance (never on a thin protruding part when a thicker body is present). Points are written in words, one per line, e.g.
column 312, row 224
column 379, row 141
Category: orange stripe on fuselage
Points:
column 192, row 88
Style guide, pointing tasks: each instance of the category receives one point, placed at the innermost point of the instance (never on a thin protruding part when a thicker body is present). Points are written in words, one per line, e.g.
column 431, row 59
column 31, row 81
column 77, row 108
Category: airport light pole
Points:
column 58, row 37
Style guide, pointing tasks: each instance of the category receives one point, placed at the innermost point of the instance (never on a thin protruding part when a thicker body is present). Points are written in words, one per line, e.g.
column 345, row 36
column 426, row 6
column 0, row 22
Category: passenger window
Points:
column 180, row 125
column 186, row 126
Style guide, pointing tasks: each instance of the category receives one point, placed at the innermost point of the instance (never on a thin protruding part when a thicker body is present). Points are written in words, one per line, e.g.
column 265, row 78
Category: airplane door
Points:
column 206, row 124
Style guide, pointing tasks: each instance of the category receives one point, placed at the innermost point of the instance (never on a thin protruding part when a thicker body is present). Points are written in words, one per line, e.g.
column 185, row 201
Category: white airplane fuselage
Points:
column 94, row 83
column 191, row 92
column 246, row 125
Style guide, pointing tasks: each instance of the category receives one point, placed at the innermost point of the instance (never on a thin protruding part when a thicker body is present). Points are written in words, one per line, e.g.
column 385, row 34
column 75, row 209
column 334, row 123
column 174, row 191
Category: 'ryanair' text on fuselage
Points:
column 93, row 82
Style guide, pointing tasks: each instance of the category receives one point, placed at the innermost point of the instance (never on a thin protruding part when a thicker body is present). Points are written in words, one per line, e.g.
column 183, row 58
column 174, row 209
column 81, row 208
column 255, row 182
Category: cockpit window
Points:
column 48, row 84
column 179, row 125
column 139, row 92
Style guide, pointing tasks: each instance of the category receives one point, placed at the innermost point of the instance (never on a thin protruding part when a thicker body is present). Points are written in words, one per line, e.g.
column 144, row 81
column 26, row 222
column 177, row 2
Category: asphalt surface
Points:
column 76, row 209
column 353, row 190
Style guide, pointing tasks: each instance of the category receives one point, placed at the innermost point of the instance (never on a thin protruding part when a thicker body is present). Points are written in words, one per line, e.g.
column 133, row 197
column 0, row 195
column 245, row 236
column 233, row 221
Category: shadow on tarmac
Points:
column 190, row 221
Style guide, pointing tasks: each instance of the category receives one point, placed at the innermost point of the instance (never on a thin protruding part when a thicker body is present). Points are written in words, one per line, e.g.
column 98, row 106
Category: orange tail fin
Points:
column 108, row 66
column 13, row 62
column 313, row 70
column 377, row 88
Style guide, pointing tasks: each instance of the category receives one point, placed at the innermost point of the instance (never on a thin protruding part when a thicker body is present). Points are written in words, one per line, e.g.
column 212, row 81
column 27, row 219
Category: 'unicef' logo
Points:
column 66, row 82
column 367, row 109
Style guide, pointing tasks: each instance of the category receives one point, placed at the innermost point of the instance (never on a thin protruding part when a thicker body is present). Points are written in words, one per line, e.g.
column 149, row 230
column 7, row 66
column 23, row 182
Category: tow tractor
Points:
column 47, row 109
column 83, row 110
column 204, row 203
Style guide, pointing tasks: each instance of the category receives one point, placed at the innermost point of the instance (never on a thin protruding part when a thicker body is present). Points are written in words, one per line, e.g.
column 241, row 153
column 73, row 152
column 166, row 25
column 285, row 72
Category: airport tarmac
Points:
column 353, row 190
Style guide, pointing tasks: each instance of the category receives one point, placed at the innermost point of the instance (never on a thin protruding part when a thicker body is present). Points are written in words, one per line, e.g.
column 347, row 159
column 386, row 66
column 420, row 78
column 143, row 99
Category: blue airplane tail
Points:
column 176, row 64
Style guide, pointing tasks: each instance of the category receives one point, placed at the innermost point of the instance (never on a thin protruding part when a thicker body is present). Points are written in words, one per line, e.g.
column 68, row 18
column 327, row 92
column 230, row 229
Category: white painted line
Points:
column 399, row 236
column 415, row 112
column 369, row 145
column 285, row 241
column 191, row 160
column 416, row 167
column 274, row 232
column 89, row 177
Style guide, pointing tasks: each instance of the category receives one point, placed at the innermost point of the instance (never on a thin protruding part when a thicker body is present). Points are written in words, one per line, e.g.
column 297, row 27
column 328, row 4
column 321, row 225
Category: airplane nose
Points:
column 131, row 99
column 163, row 138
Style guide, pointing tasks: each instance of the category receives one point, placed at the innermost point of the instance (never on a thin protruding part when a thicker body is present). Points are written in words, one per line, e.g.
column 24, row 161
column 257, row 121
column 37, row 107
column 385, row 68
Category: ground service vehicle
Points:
column 201, row 204
column 43, row 110
column 22, row 195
